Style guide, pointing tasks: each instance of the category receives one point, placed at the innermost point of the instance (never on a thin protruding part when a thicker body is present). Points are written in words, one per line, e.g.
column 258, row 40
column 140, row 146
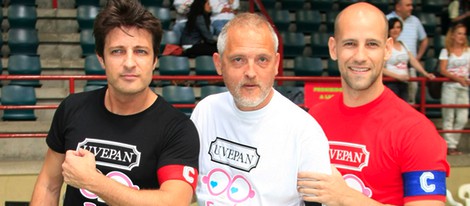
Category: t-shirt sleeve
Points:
column 182, row 144
column 443, row 55
column 55, row 138
column 424, row 164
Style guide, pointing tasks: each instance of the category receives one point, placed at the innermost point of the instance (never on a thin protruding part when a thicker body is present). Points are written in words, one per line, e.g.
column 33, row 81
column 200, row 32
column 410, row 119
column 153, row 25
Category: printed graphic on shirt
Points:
column 112, row 154
column 349, row 155
column 233, row 154
column 458, row 67
column 220, row 184
column 356, row 183
column 115, row 175
column 402, row 62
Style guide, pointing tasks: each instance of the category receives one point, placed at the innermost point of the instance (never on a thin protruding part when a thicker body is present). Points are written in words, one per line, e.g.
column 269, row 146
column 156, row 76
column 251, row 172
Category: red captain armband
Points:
column 178, row 172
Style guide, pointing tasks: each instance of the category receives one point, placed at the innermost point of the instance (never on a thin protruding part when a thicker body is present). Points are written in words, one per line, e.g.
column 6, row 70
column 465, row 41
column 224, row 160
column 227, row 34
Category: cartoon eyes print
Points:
column 115, row 175
column 219, row 181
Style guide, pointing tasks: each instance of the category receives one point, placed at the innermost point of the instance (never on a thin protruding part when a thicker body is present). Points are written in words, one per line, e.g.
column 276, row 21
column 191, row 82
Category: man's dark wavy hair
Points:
column 125, row 13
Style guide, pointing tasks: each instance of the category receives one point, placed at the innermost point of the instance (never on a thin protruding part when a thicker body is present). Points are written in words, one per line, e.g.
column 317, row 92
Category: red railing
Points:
column 422, row 105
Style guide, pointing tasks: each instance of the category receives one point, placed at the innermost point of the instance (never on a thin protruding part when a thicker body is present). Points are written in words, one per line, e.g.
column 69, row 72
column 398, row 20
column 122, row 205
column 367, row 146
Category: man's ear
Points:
column 155, row 63
column 101, row 60
column 332, row 48
column 388, row 48
column 217, row 62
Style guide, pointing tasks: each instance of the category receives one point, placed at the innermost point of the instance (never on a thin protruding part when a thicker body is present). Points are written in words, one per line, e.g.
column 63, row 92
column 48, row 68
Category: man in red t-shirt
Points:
column 385, row 151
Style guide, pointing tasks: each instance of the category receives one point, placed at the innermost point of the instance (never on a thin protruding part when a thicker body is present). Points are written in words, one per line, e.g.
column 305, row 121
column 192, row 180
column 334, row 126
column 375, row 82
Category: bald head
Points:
column 361, row 11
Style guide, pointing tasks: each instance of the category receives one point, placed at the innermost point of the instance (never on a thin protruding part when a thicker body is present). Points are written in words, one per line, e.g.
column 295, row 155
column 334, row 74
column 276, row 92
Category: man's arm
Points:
column 332, row 190
column 49, row 182
column 80, row 172
column 423, row 45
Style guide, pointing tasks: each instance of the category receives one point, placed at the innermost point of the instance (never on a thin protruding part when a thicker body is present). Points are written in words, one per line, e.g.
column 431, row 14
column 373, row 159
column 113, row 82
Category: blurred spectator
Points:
column 182, row 9
column 197, row 38
column 222, row 12
column 454, row 63
column 413, row 33
column 459, row 12
column 397, row 65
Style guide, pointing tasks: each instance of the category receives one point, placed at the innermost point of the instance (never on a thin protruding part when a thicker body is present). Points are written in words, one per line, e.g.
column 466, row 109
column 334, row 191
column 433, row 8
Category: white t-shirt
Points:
column 398, row 61
column 457, row 65
column 252, row 158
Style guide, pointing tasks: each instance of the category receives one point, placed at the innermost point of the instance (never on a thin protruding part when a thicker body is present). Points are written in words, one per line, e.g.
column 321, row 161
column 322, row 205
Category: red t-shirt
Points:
column 386, row 149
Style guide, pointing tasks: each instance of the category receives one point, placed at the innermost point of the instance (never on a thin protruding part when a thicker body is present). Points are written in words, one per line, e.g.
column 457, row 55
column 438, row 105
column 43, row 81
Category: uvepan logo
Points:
column 112, row 154
column 236, row 155
column 348, row 155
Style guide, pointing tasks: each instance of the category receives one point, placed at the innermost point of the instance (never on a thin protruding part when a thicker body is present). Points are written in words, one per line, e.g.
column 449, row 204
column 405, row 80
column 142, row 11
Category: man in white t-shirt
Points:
column 253, row 140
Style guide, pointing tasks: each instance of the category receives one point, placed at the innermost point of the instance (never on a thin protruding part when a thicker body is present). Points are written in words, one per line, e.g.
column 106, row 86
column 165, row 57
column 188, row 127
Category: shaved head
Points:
column 361, row 11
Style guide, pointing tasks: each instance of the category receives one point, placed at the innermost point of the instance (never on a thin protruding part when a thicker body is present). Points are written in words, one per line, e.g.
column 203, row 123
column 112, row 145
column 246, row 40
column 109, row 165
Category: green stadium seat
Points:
column 161, row 13
column 319, row 44
column 169, row 37
column 173, row 65
column 23, row 41
column 211, row 89
column 330, row 21
column 307, row 21
column 22, row 16
column 18, row 95
column 20, row 64
column 87, row 42
column 86, row 15
column 294, row 44
column 205, row 66
column 281, row 18
column 308, row 66
column 179, row 95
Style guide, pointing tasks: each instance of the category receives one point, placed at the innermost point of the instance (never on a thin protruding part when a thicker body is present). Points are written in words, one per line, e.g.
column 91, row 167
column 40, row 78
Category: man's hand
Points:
column 79, row 168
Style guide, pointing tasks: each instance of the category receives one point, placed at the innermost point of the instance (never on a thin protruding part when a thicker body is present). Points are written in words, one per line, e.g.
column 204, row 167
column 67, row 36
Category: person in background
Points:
column 222, row 12
column 253, row 139
column 122, row 144
column 181, row 9
column 397, row 65
column 413, row 36
column 459, row 13
column 197, row 38
column 385, row 152
column 454, row 63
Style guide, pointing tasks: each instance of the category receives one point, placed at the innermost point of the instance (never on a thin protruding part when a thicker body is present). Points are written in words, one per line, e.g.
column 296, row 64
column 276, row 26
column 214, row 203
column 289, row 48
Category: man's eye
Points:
column 141, row 51
column 117, row 51
column 372, row 44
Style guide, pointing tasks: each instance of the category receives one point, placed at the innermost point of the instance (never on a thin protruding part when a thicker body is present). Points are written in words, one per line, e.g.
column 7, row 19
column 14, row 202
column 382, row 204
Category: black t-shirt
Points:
column 127, row 148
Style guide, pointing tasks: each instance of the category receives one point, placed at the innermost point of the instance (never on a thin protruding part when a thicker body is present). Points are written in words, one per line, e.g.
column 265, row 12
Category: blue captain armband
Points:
column 418, row 183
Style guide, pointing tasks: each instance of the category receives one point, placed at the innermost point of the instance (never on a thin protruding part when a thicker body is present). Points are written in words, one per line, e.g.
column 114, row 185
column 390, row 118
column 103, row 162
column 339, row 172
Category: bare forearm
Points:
column 423, row 45
column 114, row 193
column 415, row 63
column 45, row 196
